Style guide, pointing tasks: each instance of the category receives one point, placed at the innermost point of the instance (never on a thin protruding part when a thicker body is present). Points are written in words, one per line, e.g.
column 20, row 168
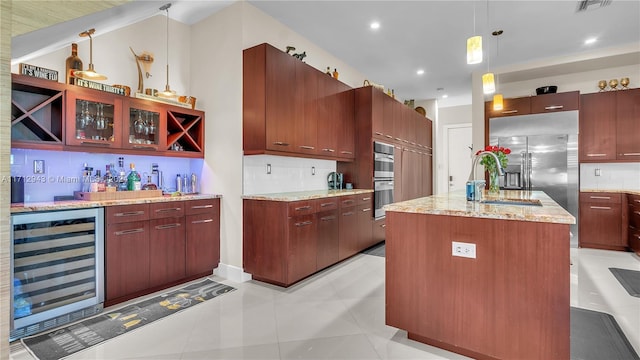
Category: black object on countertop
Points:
column 629, row 279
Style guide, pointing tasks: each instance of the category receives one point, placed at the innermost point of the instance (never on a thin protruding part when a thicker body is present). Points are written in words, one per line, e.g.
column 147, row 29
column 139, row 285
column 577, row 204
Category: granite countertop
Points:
column 305, row 195
column 456, row 204
column 623, row 191
column 80, row 204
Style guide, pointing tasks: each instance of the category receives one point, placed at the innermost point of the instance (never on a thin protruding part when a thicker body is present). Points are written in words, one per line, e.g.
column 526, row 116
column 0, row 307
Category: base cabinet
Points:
column 328, row 240
column 633, row 216
column 154, row 246
column 601, row 224
column 303, row 249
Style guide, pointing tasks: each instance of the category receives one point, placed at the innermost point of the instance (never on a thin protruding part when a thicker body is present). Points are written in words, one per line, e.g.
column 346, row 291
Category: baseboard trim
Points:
column 232, row 273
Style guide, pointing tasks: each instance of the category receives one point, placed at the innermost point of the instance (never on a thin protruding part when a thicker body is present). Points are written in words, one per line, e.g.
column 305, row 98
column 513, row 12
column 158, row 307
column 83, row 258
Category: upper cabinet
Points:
column 538, row 104
column 290, row 108
column 610, row 126
column 37, row 113
column 52, row 116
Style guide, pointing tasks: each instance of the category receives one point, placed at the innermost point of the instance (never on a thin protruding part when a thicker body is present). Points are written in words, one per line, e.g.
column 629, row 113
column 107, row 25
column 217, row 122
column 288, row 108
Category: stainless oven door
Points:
column 383, row 195
column 382, row 165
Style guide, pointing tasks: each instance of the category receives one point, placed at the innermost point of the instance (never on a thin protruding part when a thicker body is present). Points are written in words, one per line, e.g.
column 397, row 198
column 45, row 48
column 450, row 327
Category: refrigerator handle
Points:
column 529, row 185
column 523, row 171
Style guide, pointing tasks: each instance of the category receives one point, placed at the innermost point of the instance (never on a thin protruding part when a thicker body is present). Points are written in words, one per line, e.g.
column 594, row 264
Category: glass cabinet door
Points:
column 142, row 126
column 93, row 119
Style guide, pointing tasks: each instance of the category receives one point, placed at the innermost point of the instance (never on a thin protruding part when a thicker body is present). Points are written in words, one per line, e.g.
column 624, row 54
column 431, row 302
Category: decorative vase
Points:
column 494, row 182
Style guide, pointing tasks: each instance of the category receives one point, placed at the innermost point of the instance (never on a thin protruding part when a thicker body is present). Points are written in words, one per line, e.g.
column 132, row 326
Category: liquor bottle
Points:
column 93, row 187
column 109, row 179
column 73, row 63
column 101, row 185
column 122, row 175
column 149, row 185
column 133, row 180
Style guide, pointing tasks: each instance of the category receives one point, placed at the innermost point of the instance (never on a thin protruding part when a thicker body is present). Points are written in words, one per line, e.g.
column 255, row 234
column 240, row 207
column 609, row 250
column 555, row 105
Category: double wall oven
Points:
column 382, row 176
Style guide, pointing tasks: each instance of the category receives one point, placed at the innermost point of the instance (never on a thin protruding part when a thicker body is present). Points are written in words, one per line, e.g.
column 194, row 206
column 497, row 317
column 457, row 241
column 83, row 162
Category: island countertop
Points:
column 305, row 195
column 80, row 204
column 456, row 204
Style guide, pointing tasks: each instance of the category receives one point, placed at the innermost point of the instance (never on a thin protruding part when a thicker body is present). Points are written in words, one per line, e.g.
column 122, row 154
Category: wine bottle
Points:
column 133, row 180
column 73, row 63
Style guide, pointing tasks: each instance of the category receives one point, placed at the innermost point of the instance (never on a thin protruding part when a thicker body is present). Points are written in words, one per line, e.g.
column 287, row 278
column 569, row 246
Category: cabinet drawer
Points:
column 364, row 199
column 634, row 216
column 600, row 197
column 127, row 213
column 347, row 201
column 634, row 240
column 166, row 209
column 555, row 102
column 634, row 200
column 327, row 204
column 200, row 206
column 302, row 207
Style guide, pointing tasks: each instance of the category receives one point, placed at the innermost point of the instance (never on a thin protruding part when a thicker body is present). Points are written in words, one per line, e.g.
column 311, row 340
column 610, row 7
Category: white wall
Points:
column 447, row 116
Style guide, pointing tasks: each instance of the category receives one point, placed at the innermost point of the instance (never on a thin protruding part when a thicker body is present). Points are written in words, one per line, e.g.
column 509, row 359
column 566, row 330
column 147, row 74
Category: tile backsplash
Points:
column 613, row 176
column 63, row 170
column 287, row 174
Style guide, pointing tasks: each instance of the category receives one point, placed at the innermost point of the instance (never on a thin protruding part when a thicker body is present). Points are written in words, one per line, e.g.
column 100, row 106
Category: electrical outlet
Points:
column 463, row 249
column 38, row 166
column 268, row 168
column 313, row 170
column 597, row 172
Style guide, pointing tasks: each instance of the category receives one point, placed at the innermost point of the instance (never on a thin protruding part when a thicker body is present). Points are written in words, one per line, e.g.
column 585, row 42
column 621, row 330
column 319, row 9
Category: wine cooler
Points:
column 57, row 268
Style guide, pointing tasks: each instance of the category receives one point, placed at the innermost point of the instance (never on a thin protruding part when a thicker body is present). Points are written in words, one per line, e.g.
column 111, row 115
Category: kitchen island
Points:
column 505, row 292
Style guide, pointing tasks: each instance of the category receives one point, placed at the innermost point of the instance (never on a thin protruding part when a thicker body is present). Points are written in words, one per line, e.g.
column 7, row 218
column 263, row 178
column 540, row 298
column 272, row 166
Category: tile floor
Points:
column 335, row 314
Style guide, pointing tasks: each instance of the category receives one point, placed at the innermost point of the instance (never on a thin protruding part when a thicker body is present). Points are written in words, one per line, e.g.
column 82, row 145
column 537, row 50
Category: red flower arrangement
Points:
column 489, row 163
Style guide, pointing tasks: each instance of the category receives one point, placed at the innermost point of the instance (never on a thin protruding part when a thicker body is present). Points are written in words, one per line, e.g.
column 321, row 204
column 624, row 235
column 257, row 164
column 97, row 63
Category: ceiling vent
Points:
column 585, row 5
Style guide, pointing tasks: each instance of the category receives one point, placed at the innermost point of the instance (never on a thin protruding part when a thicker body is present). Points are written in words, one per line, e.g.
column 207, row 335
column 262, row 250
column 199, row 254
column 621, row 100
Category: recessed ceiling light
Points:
column 375, row 25
column 590, row 41
column 420, row 72
column 445, row 96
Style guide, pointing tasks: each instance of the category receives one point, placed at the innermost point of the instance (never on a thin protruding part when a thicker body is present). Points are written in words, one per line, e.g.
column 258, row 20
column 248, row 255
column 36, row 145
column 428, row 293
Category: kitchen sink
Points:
column 519, row 202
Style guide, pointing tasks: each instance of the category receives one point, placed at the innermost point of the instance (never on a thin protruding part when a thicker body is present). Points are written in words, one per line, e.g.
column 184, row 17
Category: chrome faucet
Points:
column 475, row 192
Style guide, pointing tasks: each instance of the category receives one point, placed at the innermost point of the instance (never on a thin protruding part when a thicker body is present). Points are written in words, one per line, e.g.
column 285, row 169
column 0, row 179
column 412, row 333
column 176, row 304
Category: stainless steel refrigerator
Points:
column 544, row 156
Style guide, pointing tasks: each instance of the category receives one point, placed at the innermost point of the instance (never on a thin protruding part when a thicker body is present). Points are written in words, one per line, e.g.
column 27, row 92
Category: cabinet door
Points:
column 302, row 249
column 601, row 221
column 202, row 243
column 399, row 126
column 348, row 232
column 306, row 138
column 555, row 102
column 410, row 174
column 282, row 106
column 398, row 169
column 142, row 124
column 377, row 112
column 628, row 124
column 597, row 127
column 511, row 107
column 412, row 119
column 94, row 119
column 379, row 229
column 166, row 250
column 328, row 239
column 388, row 105
column 346, row 118
column 365, row 229
column 328, row 123
column 426, row 178
column 127, row 259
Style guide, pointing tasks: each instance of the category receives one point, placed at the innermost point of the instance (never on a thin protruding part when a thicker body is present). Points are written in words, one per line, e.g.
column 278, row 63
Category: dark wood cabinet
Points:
column 93, row 119
column 601, row 224
column 328, row 240
column 185, row 133
column 597, row 137
column 302, row 247
column 365, row 222
column 565, row 101
column 633, row 220
column 348, row 243
column 628, row 124
column 511, row 107
column 153, row 246
column 142, row 126
column 290, row 108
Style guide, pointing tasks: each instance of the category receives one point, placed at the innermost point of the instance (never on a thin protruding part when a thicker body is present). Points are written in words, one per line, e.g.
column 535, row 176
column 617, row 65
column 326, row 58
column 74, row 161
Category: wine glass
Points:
column 100, row 122
column 80, row 116
column 613, row 83
column 624, row 82
column 86, row 114
column 138, row 126
column 151, row 124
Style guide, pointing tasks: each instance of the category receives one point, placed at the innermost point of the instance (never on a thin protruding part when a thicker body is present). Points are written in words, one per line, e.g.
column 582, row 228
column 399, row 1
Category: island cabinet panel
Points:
column 509, row 302
column 601, row 224
column 597, row 127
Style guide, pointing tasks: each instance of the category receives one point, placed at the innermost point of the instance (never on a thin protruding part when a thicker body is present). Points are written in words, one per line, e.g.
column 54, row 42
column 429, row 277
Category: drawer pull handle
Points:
column 301, row 208
column 383, row 225
column 378, row 133
column 600, row 207
column 388, row 136
column 346, row 152
column 553, row 107
column 168, row 210
column 636, row 235
column 306, row 147
column 127, row 232
column 636, row 200
column 600, row 197
column 348, row 213
column 367, row 209
column 168, row 226
column 328, row 150
column 366, row 199
column 327, row 218
column 326, row 204
column 637, row 213
column 510, row 111
column 202, row 206
column 140, row 147
column 631, row 154
column 130, row 213
column 201, row 221
column 595, row 155
column 280, row 143
column 94, row 143
column 304, row 223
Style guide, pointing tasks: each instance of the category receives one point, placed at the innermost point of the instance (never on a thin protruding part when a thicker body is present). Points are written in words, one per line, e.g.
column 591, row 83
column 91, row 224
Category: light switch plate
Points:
column 38, row 166
column 463, row 249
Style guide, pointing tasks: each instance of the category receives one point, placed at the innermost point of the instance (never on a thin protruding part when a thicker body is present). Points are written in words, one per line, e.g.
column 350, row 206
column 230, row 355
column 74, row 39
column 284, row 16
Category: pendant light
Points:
column 89, row 74
column 498, row 101
column 488, row 82
column 474, row 44
column 167, row 93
